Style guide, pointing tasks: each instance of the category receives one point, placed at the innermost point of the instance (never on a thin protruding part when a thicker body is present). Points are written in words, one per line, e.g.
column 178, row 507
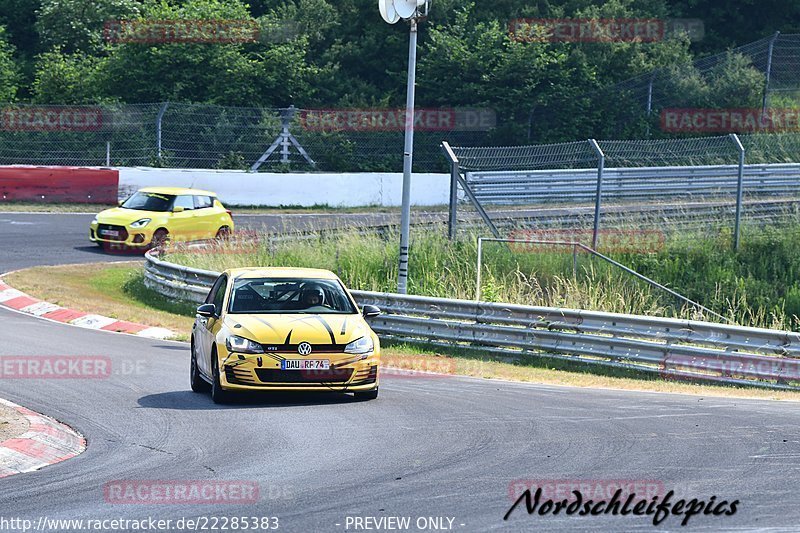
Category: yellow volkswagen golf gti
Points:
column 283, row 329
column 156, row 214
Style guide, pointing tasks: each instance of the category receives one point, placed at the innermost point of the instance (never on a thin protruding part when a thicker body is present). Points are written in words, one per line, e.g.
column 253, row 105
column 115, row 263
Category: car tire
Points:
column 218, row 394
column 197, row 382
column 223, row 233
column 366, row 395
column 160, row 238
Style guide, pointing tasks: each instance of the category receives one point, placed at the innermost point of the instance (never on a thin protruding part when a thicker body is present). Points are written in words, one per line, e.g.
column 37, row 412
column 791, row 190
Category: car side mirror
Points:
column 207, row 310
column 178, row 209
column 370, row 311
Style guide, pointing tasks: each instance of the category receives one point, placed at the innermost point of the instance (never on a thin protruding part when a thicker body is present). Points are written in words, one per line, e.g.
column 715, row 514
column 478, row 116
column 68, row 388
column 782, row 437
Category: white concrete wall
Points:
column 235, row 187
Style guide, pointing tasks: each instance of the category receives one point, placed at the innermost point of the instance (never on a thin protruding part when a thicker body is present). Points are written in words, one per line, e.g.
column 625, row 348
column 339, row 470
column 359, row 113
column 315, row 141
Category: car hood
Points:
column 121, row 216
column 283, row 329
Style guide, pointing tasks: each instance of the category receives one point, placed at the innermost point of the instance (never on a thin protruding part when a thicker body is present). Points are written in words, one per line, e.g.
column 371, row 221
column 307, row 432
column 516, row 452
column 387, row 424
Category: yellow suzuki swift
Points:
column 283, row 329
column 156, row 214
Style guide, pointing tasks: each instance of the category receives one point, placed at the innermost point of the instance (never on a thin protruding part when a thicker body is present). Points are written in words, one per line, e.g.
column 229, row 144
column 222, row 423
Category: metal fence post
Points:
column 108, row 153
column 478, row 275
column 768, row 72
column 454, row 173
column 159, row 119
column 601, row 164
column 739, row 187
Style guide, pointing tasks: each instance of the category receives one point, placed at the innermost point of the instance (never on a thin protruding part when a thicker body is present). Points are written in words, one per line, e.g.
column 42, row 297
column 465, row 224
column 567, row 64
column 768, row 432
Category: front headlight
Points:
column 142, row 222
column 234, row 343
column 362, row 346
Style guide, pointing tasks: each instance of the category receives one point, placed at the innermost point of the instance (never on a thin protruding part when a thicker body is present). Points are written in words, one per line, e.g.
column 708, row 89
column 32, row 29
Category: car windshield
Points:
column 289, row 295
column 149, row 201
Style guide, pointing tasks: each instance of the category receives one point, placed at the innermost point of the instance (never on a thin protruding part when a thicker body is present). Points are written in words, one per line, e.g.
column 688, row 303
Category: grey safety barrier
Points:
column 673, row 348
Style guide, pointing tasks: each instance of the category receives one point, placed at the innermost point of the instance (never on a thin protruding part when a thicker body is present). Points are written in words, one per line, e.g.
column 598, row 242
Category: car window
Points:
column 219, row 296
column 184, row 201
column 202, row 202
column 149, row 201
column 289, row 295
column 210, row 296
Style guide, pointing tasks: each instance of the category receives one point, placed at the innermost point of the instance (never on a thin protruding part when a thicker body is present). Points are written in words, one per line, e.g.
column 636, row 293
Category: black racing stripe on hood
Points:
column 288, row 337
column 327, row 327
column 344, row 326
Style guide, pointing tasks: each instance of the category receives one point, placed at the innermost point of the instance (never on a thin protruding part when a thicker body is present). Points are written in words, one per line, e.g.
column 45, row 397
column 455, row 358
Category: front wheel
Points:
column 197, row 382
column 218, row 394
column 160, row 238
column 366, row 395
column 224, row 233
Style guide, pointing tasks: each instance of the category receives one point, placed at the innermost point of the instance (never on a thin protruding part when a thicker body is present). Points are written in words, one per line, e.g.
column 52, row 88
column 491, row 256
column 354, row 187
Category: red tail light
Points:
column 229, row 213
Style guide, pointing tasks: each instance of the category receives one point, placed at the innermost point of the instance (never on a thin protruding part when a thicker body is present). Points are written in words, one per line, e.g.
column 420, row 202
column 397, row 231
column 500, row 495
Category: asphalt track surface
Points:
column 429, row 446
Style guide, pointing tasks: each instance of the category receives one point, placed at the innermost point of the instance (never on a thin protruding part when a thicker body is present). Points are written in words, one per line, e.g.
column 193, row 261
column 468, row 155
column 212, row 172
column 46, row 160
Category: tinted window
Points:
column 219, row 296
column 201, row 202
column 289, row 295
column 149, row 201
column 186, row 202
column 210, row 297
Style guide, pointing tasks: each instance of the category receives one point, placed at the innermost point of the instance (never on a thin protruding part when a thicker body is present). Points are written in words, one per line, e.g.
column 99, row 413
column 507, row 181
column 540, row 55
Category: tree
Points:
column 9, row 74
column 77, row 25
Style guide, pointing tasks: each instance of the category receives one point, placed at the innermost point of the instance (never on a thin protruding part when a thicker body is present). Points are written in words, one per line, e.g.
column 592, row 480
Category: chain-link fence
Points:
column 760, row 75
column 179, row 135
column 670, row 184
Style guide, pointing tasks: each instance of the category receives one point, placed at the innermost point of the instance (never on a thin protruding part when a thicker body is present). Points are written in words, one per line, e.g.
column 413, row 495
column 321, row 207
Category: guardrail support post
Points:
column 739, row 187
column 601, row 164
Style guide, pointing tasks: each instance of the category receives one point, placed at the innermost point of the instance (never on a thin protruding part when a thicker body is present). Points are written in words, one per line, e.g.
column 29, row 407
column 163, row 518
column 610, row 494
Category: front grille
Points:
column 338, row 375
column 123, row 233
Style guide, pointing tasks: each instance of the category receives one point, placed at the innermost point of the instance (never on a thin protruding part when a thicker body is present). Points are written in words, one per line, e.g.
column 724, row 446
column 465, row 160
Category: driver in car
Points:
column 313, row 297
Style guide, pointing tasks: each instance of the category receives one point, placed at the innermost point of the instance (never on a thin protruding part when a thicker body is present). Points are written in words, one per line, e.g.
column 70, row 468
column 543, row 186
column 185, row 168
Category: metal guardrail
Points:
column 547, row 186
column 673, row 348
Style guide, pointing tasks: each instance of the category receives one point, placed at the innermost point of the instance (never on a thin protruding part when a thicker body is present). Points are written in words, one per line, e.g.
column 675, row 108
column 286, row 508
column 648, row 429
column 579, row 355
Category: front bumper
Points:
column 126, row 236
column 262, row 372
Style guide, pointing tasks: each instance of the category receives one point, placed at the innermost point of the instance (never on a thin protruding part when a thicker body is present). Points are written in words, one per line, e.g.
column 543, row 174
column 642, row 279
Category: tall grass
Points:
column 758, row 286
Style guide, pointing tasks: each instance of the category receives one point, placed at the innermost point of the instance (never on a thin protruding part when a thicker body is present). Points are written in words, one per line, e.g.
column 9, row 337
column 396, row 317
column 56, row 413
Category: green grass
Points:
column 757, row 286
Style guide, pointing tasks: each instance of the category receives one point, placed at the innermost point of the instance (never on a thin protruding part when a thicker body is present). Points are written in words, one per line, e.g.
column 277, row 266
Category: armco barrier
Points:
column 59, row 184
column 673, row 348
column 580, row 185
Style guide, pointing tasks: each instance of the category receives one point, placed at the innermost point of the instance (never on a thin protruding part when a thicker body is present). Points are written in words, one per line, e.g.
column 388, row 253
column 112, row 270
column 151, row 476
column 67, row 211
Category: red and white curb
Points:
column 46, row 442
column 18, row 300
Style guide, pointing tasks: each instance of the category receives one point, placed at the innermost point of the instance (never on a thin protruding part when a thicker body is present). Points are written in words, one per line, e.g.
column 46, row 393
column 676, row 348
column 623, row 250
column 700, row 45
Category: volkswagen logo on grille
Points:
column 304, row 348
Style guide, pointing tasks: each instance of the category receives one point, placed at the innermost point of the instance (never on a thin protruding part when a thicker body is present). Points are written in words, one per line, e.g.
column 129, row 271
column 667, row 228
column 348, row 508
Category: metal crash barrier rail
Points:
column 672, row 348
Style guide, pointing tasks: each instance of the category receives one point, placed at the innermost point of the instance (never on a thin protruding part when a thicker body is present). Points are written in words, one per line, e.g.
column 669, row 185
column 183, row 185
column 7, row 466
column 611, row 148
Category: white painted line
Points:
column 156, row 333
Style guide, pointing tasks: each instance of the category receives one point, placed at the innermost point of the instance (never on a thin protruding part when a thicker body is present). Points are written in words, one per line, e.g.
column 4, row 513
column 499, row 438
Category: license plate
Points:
column 109, row 232
column 305, row 364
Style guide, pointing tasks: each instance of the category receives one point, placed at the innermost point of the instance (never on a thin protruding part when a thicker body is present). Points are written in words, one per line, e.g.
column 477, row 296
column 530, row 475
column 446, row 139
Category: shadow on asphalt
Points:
column 96, row 250
column 193, row 401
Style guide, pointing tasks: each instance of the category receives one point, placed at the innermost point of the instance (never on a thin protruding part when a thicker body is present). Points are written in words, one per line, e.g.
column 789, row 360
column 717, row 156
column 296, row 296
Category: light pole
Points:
column 413, row 11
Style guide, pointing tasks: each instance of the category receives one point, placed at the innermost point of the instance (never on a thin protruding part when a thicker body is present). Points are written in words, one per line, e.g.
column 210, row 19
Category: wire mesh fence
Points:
column 706, row 183
column 758, row 75
column 180, row 135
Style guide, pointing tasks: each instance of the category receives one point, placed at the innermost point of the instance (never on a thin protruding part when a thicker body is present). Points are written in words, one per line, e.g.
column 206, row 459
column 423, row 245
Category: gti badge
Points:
column 304, row 348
